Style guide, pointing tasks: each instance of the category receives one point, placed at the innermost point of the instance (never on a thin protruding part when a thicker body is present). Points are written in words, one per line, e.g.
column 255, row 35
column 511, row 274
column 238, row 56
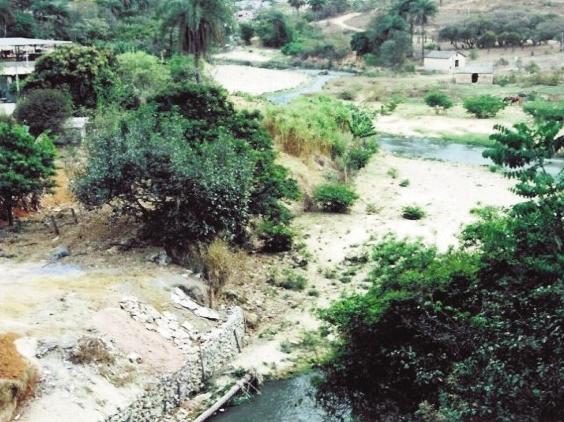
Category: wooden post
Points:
column 74, row 217
column 237, row 340
column 225, row 398
column 55, row 227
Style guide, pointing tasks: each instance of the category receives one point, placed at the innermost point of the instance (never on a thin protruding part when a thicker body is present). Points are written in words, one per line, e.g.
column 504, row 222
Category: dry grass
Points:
column 17, row 377
column 91, row 350
column 221, row 264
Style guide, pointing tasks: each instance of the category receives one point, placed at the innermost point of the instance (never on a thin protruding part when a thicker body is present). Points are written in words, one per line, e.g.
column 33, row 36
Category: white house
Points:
column 482, row 75
column 17, row 59
column 444, row 61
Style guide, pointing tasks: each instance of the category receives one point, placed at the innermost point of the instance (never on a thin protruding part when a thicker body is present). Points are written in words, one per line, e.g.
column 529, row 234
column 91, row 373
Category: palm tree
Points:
column 200, row 23
column 422, row 10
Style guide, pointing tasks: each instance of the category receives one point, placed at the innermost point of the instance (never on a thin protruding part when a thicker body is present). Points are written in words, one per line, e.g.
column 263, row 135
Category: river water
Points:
column 290, row 400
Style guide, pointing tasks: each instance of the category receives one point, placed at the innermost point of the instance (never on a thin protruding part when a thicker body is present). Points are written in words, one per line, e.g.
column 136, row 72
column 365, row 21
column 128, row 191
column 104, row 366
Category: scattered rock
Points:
column 323, row 73
column 91, row 350
column 252, row 320
column 180, row 298
column 196, row 289
column 160, row 258
column 60, row 252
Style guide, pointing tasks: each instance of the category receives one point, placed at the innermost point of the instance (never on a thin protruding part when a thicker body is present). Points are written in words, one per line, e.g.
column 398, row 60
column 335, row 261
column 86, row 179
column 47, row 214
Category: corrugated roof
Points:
column 19, row 42
column 438, row 54
column 476, row 69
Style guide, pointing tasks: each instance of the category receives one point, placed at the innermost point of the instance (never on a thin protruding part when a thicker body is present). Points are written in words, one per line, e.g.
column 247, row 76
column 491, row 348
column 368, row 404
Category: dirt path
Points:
column 341, row 22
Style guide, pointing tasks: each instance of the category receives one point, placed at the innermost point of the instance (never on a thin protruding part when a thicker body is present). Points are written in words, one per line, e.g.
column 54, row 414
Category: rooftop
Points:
column 21, row 42
column 438, row 54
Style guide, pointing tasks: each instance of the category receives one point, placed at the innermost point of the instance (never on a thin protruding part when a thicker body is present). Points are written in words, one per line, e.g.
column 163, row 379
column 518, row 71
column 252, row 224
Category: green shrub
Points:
column 439, row 101
column 44, row 110
column 412, row 212
column 359, row 155
column 334, row 197
column 545, row 110
column 484, row 106
column 288, row 279
column 404, row 183
column 276, row 237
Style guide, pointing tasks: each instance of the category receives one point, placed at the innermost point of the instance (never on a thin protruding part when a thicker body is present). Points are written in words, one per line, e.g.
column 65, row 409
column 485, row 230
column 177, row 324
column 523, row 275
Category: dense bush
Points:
column 484, row 106
column 81, row 71
column 310, row 125
column 469, row 334
column 334, row 197
column 276, row 237
column 43, row 110
column 247, row 32
column 143, row 73
column 439, row 101
column 187, row 164
column 503, row 28
column 274, row 29
column 545, row 110
column 27, row 167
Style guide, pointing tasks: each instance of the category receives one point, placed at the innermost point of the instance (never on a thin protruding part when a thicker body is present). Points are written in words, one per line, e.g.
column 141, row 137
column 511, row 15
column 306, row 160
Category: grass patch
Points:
column 413, row 212
column 478, row 139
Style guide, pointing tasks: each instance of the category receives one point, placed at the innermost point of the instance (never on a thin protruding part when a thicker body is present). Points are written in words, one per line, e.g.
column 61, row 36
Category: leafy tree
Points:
column 484, row 106
column 26, row 168
column 43, row 110
column 317, row 5
column 297, row 4
column 247, row 31
column 81, row 71
column 143, row 72
column 274, row 29
column 200, row 23
column 6, row 15
column 187, row 165
column 439, row 101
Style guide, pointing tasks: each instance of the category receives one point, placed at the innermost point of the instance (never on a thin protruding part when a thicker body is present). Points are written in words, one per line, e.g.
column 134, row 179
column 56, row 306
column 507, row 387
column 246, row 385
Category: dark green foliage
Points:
column 439, row 101
column 288, row 279
column 484, row 106
column 276, row 237
column 187, row 164
column 412, row 212
column 503, row 29
column 43, row 110
column 334, row 197
column 470, row 334
column 26, row 168
column 247, row 32
column 80, row 71
column 545, row 110
column 274, row 29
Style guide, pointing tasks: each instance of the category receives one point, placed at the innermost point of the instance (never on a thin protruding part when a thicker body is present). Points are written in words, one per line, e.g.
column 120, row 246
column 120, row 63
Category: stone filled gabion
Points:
column 206, row 354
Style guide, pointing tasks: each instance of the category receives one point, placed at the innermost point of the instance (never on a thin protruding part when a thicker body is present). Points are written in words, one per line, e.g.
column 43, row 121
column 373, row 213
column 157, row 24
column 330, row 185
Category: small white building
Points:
column 444, row 61
column 482, row 75
column 17, row 60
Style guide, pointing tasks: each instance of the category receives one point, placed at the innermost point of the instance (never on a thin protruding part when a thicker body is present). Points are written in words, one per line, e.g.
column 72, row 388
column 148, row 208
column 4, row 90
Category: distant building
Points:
column 444, row 61
column 483, row 75
column 17, row 60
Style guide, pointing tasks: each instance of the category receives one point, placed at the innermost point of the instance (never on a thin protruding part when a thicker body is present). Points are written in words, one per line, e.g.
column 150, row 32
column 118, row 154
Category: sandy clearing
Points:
column 434, row 126
column 256, row 81
column 341, row 22
column 249, row 55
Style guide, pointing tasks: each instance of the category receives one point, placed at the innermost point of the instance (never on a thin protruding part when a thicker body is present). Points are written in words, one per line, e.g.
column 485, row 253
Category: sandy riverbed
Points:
column 256, row 81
